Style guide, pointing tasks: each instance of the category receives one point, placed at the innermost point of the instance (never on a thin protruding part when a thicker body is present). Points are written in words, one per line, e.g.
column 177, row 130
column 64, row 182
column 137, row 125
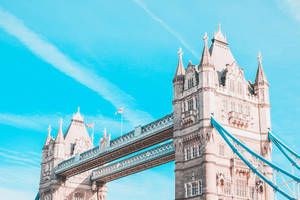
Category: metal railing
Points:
column 144, row 157
column 138, row 134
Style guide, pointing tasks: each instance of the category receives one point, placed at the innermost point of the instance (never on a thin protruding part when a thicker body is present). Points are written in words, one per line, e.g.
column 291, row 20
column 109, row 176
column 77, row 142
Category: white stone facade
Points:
column 79, row 187
column 217, row 86
column 205, row 166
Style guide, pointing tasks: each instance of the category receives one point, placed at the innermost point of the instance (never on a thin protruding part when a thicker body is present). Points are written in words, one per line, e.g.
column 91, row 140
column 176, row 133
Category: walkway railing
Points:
column 141, row 158
column 138, row 134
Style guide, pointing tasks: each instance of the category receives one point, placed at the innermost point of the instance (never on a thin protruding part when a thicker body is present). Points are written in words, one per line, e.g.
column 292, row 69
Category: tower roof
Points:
column 205, row 58
column 260, row 74
column 77, row 133
column 220, row 52
column 180, row 68
column 59, row 137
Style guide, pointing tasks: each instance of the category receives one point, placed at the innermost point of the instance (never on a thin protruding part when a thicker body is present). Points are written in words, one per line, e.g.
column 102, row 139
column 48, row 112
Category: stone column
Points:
column 101, row 191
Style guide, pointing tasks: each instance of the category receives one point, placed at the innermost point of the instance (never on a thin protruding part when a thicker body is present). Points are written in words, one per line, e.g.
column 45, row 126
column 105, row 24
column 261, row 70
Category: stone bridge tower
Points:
column 205, row 166
column 79, row 187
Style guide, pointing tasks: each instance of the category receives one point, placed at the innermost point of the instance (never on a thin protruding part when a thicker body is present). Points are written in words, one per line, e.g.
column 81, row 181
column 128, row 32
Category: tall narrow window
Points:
column 195, row 152
column 241, row 188
column 195, row 188
column 240, row 108
column 190, row 104
column 188, row 190
column 200, row 187
column 188, row 153
column 221, row 150
column 190, row 83
column 231, row 86
column 232, row 106
column 227, row 188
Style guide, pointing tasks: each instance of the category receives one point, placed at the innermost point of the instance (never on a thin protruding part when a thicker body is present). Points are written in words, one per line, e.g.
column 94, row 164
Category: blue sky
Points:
column 102, row 55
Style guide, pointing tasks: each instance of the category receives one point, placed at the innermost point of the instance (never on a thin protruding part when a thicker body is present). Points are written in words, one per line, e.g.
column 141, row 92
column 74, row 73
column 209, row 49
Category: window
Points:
column 231, row 86
column 200, row 186
column 188, row 153
column 227, row 188
column 241, row 188
column 252, row 192
column 193, row 188
column 190, row 83
column 240, row 88
column 190, row 104
column 240, row 108
column 195, row 152
column 225, row 105
column 232, row 106
column 188, row 190
column 221, row 150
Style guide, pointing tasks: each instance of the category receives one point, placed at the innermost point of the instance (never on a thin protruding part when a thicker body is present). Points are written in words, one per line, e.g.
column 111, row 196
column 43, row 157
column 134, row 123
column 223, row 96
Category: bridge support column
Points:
column 101, row 191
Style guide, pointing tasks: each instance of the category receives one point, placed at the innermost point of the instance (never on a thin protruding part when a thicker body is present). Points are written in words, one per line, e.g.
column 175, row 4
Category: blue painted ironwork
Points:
column 224, row 132
column 281, row 146
column 131, row 137
column 141, row 158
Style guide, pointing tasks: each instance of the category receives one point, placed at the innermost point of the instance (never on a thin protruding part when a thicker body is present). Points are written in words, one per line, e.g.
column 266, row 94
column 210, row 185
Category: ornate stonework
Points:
column 217, row 85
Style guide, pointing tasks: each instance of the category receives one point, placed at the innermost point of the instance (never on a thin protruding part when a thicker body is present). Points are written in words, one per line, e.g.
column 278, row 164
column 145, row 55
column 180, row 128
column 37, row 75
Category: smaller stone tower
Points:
column 79, row 187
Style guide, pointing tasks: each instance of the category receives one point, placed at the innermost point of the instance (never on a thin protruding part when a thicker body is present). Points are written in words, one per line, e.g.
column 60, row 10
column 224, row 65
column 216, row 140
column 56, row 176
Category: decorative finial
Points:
column 49, row 129
column 259, row 57
column 60, row 123
column 180, row 52
column 78, row 109
column 219, row 28
column 104, row 133
column 205, row 37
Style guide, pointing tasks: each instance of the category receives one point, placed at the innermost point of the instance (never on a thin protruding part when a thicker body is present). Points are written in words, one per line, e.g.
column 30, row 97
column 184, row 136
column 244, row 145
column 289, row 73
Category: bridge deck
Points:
column 154, row 157
column 147, row 136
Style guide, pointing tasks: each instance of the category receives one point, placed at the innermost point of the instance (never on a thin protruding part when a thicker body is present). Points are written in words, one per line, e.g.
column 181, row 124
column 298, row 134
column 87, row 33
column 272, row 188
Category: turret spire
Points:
column 180, row 68
column 59, row 137
column 260, row 74
column 205, row 59
column 48, row 136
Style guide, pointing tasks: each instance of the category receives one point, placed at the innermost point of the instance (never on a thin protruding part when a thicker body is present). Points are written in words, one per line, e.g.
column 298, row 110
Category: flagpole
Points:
column 121, row 123
column 93, row 133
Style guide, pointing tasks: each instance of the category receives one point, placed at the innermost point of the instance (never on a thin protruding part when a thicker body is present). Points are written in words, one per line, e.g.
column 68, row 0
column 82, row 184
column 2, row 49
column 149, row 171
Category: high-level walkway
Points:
column 142, row 137
column 151, row 158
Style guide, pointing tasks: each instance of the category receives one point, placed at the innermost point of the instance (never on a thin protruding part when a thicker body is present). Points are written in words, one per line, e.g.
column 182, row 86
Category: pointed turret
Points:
column 48, row 136
column 180, row 71
column 260, row 74
column 178, row 79
column 205, row 59
column 59, row 137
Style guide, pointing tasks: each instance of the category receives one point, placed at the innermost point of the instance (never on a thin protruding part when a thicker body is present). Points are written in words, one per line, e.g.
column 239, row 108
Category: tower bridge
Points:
column 222, row 156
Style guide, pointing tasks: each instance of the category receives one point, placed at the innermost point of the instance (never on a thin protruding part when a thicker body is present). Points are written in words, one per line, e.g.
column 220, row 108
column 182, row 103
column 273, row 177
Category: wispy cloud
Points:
column 292, row 6
column 167, row 27
column 40, row 122
column 23, row 158
column 51, row 54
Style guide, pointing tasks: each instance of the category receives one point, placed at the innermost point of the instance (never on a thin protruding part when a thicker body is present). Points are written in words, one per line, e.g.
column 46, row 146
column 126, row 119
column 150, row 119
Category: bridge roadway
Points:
column 141, row 138
column 156, row 156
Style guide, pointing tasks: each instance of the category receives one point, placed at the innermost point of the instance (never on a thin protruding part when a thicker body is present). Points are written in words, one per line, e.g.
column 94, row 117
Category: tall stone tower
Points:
column 205, row 167
column 79, row 187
